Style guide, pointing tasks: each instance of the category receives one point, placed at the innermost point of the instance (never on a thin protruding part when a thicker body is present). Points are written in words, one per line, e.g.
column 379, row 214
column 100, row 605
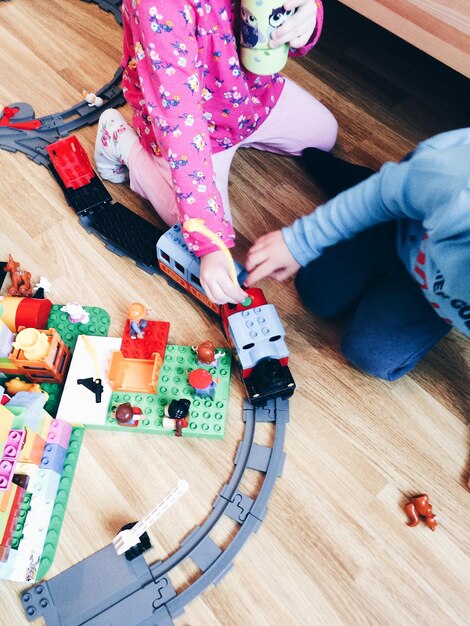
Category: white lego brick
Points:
column 25, row 566
column 6, row 340
column 78, row 405
column 6, row 567
column 46, row 484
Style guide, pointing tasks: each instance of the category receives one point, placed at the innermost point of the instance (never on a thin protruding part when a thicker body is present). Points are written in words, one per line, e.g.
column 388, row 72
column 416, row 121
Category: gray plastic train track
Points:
column 108, row 590
column 53, row 127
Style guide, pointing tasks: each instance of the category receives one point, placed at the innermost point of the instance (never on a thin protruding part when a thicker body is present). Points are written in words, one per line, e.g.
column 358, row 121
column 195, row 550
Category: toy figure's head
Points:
column 179, row 409
column 136, row 311
column 206, row 352
column 124, row 413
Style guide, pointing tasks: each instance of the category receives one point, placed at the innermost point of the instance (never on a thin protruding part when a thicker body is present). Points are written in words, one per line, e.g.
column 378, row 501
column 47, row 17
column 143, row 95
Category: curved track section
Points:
column 54, row 127
column 137, row 594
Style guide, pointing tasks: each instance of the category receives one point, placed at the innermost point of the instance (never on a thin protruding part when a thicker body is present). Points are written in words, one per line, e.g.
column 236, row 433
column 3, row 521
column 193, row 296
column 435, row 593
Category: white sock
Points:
column 113, row 144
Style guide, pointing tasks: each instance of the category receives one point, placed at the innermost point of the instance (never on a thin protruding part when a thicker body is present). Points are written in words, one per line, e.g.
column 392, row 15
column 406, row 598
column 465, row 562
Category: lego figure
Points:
column 420, row 506
column 20, row 278
column 92, row 99
column 177, row 416
column 136, row 314
column 127, row 415
column 206, row 354
column 77, row 313
column 202, row 382
column 34, row 343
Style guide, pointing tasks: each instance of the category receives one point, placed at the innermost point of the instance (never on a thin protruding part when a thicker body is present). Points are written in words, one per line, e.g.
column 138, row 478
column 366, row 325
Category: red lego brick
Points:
column 71, row 162
column 154, row 341
column 4, row 552
column 33, row 313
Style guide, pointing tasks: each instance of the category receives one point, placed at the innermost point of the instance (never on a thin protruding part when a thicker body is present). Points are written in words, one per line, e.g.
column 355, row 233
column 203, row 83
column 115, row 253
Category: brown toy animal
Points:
column 21, row 280
column 420, row 507
column 15, row 385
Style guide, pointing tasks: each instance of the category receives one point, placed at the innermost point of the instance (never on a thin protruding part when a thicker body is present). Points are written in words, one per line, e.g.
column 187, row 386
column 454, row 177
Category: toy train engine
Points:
column 257, row 336
column 252, row 328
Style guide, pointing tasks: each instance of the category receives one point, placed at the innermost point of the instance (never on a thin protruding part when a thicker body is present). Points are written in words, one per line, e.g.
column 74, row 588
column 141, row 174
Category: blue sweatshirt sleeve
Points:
column 431, row 188
column 377, row 199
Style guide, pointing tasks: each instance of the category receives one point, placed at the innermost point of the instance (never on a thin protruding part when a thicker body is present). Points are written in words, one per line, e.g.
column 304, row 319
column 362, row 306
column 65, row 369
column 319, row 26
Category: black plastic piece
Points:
column 269, row 380
column 140, row 547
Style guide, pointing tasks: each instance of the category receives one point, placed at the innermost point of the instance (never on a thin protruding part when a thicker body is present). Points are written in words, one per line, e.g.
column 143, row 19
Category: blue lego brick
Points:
column 53, row 457
column 46, row 484
column 33, row 403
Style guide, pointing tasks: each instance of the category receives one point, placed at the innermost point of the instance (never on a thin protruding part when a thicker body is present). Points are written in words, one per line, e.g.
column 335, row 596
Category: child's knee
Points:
column 315, row 294
column 331, row 131
column 326, row 131
column 374, row 359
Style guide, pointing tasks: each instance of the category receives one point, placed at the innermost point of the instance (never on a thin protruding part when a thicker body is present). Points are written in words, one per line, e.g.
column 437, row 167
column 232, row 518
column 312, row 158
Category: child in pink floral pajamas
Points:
column 194, row 105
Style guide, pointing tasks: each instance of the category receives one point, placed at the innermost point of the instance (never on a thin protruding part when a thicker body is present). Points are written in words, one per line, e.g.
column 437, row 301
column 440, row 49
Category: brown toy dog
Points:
column 420, row 506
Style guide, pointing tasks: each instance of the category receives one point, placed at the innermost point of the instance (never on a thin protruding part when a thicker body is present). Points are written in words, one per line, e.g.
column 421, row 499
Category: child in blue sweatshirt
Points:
column 392, row 253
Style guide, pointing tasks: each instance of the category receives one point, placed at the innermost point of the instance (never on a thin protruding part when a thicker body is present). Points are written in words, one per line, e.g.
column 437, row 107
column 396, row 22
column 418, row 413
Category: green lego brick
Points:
column 18, row 416
column 58, row 511
column 98, row 325
column 60, row 503
column 207, row 417
column 25, row 508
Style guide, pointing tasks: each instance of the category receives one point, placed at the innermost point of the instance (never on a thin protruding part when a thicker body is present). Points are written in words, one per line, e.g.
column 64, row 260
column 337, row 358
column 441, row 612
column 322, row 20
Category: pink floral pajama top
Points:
column 190, row 96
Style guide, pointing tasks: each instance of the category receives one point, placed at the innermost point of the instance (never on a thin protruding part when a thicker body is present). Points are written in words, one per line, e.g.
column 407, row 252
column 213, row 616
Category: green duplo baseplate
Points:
column 98, row 325
column 207, row 417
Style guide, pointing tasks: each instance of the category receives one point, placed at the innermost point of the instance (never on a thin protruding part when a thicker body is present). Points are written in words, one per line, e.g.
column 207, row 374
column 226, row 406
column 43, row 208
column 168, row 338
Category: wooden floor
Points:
column 334, row 547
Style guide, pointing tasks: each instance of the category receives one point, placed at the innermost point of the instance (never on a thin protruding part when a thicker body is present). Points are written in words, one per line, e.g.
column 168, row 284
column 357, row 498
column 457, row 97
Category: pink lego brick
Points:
column 154, row 341
column 11, row 451
column 6, row 473
column 59, row 433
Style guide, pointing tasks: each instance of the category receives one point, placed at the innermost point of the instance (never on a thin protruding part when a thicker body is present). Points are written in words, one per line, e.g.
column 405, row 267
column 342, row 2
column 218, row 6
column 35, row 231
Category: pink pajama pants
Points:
column 298, row 121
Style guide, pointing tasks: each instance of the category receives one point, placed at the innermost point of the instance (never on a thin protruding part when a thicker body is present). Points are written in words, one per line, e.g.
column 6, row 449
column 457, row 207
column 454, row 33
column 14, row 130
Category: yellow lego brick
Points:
column 33, row 448
column 30, row 469
column 6, row 421
column 6, row 498
column 3, row 523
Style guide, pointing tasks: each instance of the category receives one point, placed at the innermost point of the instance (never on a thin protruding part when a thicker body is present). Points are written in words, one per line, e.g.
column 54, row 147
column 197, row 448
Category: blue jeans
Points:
column 389, row 325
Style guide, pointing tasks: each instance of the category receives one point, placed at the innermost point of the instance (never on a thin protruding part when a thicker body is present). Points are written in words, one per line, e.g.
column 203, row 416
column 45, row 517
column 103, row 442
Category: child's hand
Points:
column 298, row 28
column 270, row 256
column 216, row 280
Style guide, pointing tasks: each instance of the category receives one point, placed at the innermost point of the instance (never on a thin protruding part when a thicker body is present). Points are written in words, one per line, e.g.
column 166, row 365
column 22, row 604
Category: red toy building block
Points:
column 154, row 341
column 33, row 313
column 71, row 162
